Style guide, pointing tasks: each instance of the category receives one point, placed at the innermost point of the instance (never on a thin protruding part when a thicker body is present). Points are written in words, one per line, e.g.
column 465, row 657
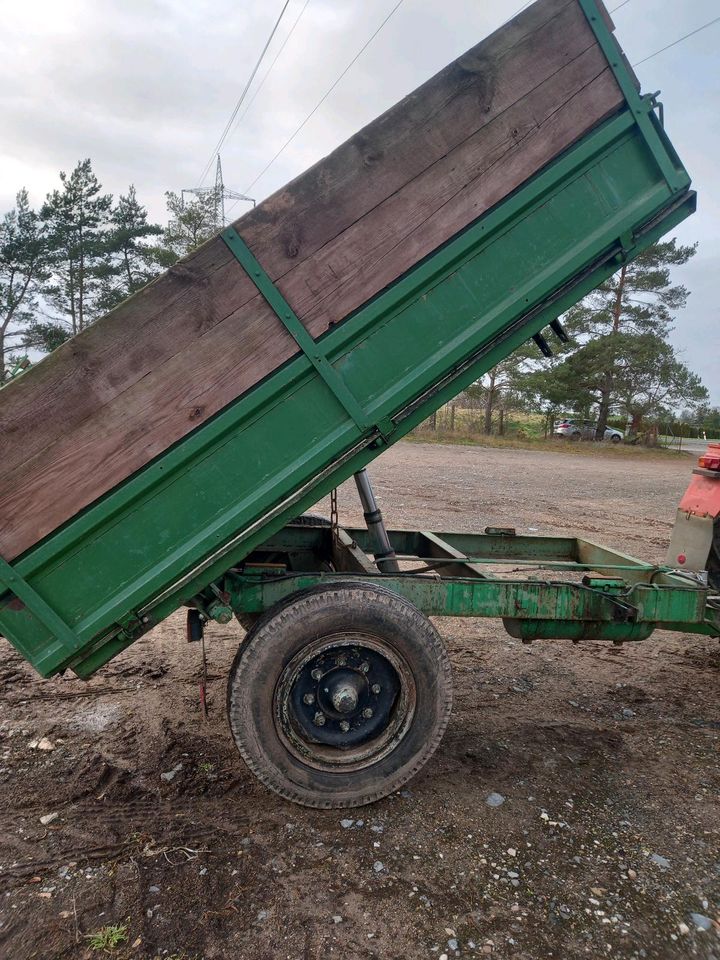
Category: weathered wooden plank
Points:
column 456, row 190
column 32, row 497
column 185, row 347
column 228, row 358
column 286, row 229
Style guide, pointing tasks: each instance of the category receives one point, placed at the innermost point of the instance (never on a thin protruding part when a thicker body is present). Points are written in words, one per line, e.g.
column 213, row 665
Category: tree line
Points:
column 81, row 253
column 618, row 361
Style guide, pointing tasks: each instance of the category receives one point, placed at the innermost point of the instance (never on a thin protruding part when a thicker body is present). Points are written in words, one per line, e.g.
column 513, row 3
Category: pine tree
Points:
column 129, row 260
column 639, row 300
column 191, row 222
column 77, row 218
column 23, row 261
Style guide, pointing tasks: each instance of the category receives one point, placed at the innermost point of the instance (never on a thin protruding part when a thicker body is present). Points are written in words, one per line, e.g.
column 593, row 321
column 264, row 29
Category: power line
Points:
column 623, row 4
column 269, row 69
column 513, row 15
column 679, row 40
column 239, row 103
column 324, row 97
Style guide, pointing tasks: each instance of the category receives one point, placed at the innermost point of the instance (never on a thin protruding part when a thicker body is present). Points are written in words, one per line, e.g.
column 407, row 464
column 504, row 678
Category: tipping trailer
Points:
column 341, row 689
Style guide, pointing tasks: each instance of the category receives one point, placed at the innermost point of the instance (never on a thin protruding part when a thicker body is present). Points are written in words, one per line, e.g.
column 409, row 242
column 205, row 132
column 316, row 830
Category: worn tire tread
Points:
column 283, row 617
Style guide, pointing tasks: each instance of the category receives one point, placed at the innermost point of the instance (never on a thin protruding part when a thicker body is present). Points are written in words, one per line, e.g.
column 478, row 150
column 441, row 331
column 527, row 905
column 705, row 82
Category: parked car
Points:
column 584, row 430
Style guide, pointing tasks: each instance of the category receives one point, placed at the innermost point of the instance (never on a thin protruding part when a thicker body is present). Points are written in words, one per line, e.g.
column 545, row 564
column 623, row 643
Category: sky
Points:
column 145, row 88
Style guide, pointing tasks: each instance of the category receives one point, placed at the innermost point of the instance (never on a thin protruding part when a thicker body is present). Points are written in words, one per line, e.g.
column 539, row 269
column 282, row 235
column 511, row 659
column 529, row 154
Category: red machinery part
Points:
column 702, row 497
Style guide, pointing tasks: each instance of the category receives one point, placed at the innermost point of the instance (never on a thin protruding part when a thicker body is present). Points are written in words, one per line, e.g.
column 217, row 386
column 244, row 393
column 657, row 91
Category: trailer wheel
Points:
column 339, row 695
column 713, row 565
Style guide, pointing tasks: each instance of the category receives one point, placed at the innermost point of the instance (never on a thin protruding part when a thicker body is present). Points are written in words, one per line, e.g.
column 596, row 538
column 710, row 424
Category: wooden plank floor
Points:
column 124, row 390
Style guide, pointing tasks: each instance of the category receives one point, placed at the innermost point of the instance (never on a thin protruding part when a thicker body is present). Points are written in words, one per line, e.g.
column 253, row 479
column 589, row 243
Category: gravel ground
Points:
column 571, row 810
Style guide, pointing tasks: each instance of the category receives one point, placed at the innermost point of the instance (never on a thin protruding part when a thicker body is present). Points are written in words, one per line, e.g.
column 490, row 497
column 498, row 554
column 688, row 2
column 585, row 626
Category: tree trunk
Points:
column 501, row 422
column 489, row 402
column 606, row 392
column 452, row 418
column 433, row 420
column 604, row 408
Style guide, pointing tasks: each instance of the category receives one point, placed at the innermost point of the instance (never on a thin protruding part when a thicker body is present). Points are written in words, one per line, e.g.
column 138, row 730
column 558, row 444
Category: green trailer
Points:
column 341, row 689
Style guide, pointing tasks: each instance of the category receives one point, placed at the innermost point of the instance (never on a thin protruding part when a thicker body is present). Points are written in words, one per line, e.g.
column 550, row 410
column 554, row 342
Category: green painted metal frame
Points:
column 123, row 564
column 645, row 598
column 641, row 107
column 312, row 349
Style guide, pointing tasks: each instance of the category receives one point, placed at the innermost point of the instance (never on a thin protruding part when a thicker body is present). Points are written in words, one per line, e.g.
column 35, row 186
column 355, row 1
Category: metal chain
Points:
column 334, row 513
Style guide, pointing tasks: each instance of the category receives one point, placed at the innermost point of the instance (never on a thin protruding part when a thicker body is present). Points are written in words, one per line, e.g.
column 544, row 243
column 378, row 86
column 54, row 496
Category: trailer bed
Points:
column 344, row 392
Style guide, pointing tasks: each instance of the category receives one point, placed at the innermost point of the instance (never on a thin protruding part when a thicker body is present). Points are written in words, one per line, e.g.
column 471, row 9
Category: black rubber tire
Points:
column 310, row 520
column 281, row 634
column 713, row 565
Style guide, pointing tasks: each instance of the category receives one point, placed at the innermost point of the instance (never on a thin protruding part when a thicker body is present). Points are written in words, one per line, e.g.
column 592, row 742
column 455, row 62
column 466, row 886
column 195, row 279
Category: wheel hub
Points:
column 341, row 696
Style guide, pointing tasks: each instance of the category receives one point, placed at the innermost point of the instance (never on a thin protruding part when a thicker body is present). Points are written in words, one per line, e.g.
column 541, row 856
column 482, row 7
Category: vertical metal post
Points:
column 382, row 548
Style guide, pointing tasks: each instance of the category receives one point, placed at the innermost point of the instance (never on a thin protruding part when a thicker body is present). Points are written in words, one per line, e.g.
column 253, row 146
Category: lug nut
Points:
column 316, row 674
column 367, row 713
column 341, row 660
column 344, row 726
column 365, row 667
column 375, row 688
column 319, row 719
column 309, row 698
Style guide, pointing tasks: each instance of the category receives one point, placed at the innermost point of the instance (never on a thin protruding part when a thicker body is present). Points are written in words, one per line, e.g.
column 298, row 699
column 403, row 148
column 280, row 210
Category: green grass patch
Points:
column 108, row 938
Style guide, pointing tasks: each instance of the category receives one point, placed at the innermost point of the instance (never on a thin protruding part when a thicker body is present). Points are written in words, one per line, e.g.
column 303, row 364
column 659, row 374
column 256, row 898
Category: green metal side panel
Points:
column 136, row 554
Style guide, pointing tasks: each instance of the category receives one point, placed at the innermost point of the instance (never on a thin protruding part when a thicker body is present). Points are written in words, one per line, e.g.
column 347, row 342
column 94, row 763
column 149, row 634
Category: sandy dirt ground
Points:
column 605, row 843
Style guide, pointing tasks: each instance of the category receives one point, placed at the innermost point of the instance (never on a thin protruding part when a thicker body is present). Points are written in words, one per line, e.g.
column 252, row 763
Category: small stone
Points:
column 203, row 871
column 171, row 774
column 512, row 852
column 544, row 816
column 378, row 866
column 443, row 956
column 43, row 744
column 337, row 918
column 487, row 949
column 683, row 928
column 632, row 874
column 512, row 874
column 495, row 799
column 701, row 921
column 627, row 713
column 346, row 824
column 660, row 861
column 452, row 944
column 153, row 889
column 262, row 915
column 48, row 818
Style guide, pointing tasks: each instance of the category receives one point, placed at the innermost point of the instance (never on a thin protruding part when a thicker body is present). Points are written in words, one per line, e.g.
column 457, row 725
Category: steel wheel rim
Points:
column 310, row 742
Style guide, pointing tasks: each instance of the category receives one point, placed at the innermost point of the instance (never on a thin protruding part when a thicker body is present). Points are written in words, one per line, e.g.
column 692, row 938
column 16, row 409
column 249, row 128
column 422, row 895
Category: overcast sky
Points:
column 145, row 87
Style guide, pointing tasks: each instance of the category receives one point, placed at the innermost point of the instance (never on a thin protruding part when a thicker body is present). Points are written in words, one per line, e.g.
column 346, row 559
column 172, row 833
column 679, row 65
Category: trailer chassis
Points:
column 613, row 597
